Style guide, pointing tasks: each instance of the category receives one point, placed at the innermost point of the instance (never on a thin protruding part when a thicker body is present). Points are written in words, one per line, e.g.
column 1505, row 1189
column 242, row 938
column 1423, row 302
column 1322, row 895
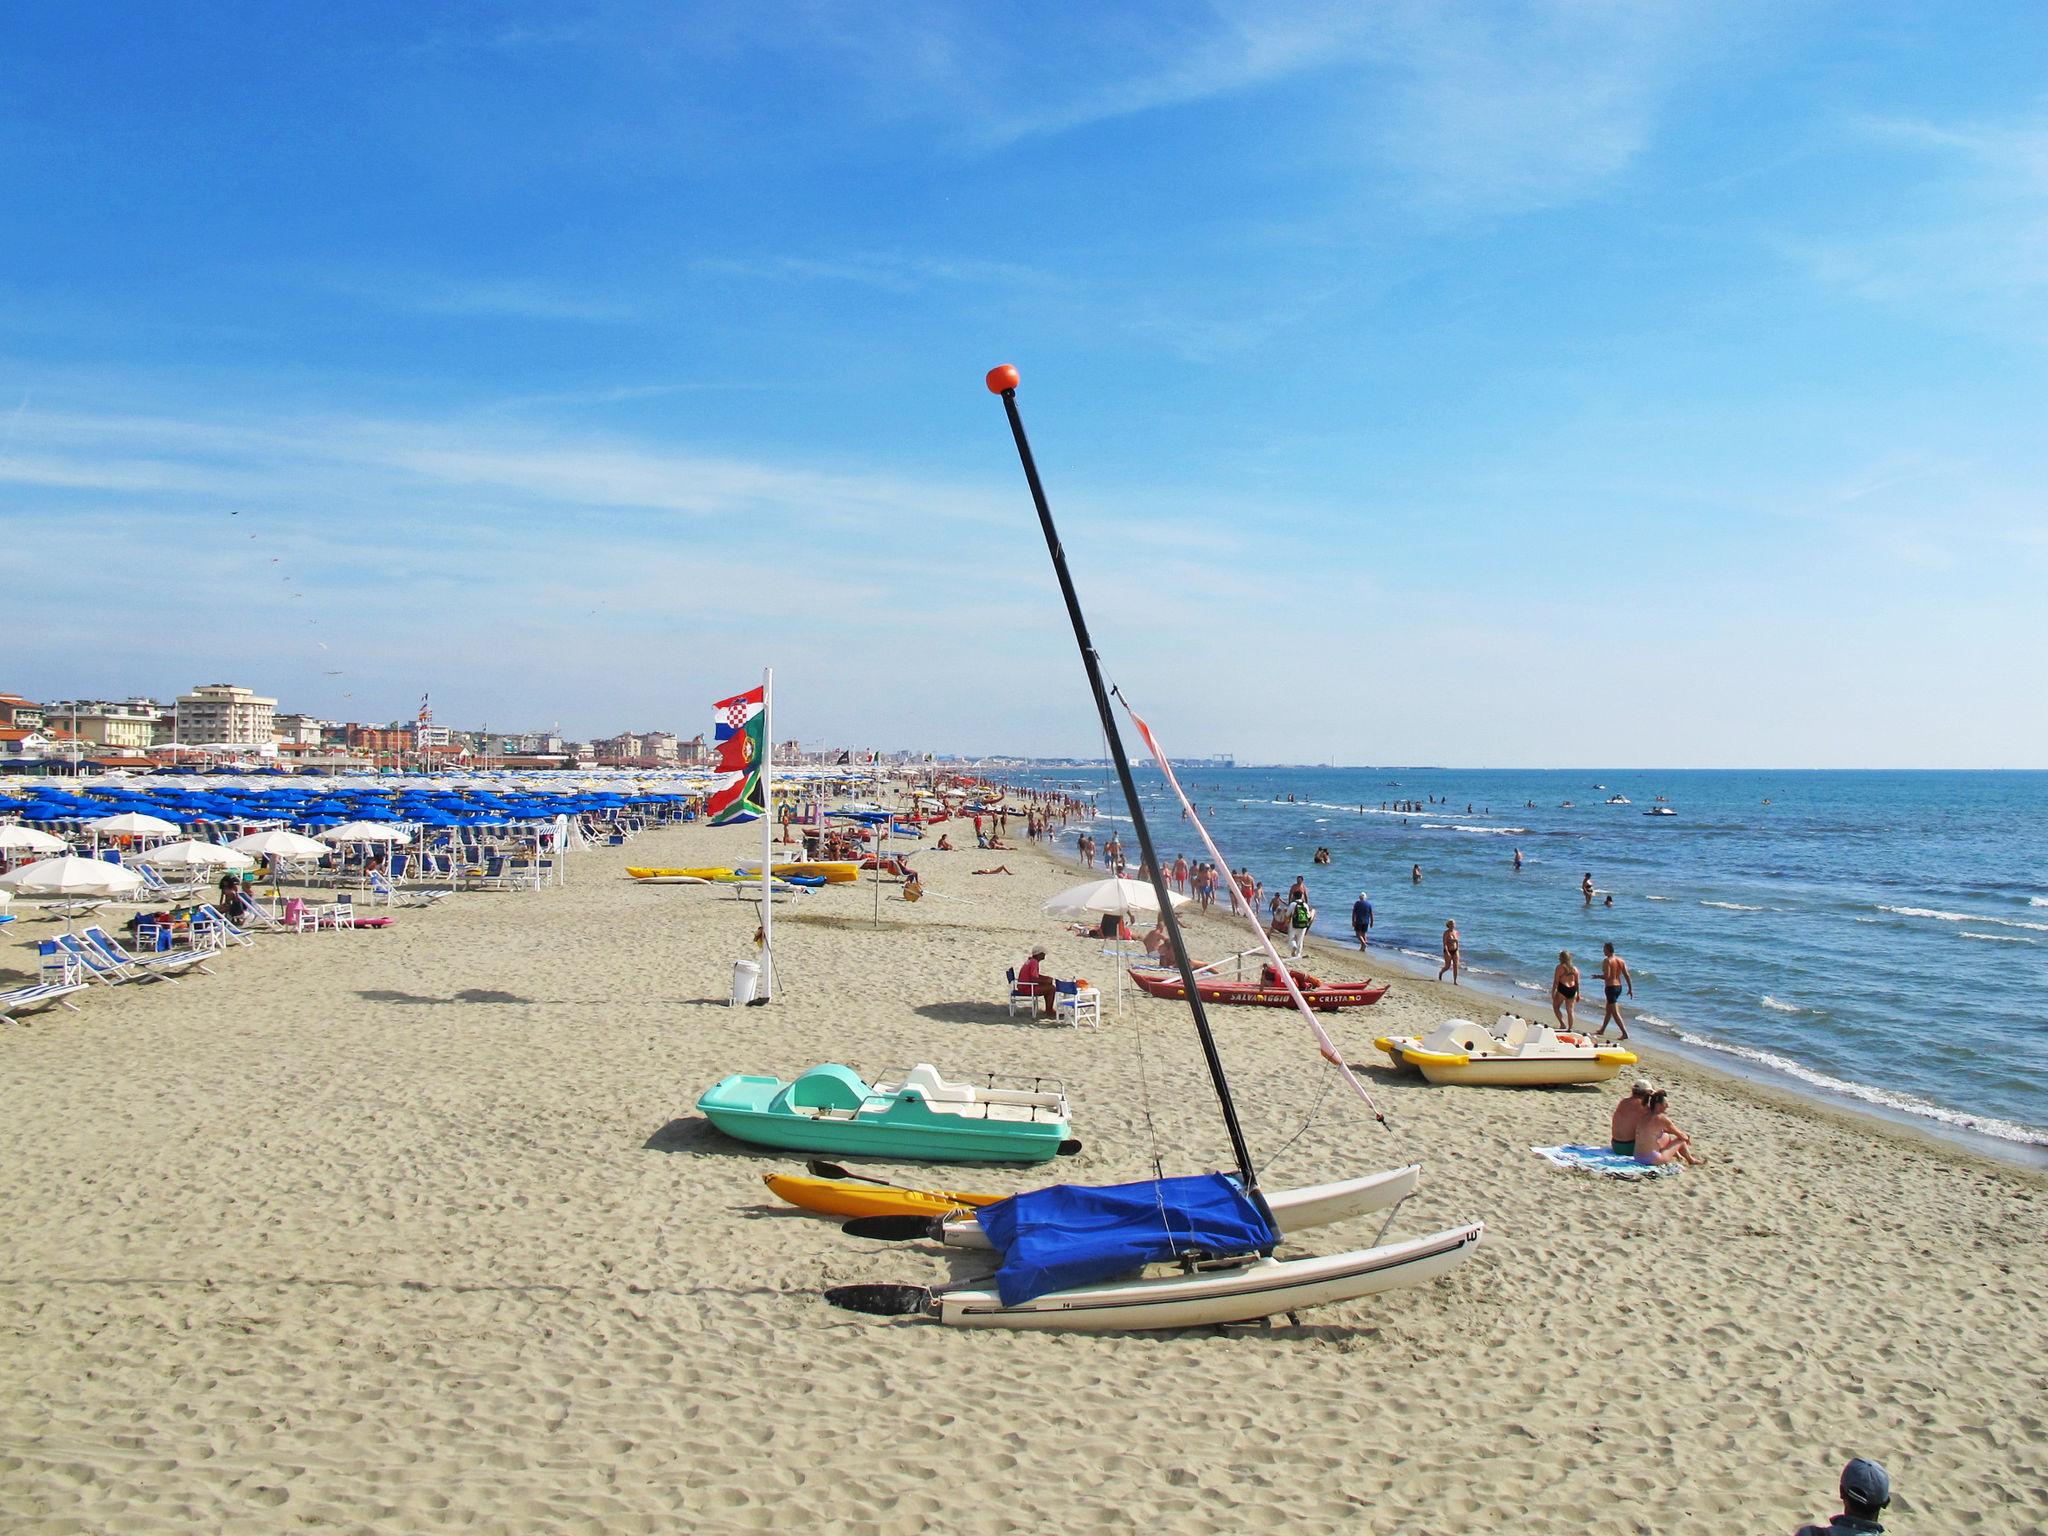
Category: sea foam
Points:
column 1904, row 1103
column 1963, row 917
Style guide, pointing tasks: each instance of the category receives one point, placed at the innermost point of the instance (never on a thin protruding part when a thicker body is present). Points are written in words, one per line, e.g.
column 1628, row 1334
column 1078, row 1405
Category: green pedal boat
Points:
column 916, row 1116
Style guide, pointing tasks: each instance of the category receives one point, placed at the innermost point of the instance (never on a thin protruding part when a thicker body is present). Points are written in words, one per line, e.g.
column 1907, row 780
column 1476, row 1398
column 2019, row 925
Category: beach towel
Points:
column 1603, row 1162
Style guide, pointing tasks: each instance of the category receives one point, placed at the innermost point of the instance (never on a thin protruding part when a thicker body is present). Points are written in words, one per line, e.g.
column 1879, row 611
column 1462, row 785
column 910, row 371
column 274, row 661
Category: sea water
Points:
column 1881, row 937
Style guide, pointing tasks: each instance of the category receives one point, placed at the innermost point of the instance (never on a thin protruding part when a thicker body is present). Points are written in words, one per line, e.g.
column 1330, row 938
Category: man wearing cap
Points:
column 1865, row 1492
column 1031, row 977
column 1361, row 917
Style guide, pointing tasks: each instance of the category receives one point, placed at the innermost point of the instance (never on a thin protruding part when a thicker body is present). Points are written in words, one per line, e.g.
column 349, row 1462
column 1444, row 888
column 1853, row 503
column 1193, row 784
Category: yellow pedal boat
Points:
column 848, row 1197
column 1514, row 1053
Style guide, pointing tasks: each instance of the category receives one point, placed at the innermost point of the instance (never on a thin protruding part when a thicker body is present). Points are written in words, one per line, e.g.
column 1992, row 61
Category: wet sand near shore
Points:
column 418, row 1230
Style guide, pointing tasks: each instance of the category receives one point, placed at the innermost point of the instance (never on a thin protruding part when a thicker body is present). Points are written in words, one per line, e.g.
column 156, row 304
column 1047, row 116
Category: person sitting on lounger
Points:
column 1031, row 977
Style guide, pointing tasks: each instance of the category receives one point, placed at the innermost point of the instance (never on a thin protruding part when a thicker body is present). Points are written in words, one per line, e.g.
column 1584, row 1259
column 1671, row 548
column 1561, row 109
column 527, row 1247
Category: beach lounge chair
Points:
column 393, row 897
column 92, row 964
column 168, row 963
column 35, row 996
column 156, row 885
column 56, row 986
column 217, row 932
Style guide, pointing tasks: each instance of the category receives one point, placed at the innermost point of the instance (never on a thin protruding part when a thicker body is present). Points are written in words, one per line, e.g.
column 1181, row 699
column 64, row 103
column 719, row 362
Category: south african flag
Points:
column 739, row 736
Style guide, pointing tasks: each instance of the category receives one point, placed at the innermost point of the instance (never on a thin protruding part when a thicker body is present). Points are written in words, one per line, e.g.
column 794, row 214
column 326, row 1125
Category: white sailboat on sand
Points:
column 1069, row 1251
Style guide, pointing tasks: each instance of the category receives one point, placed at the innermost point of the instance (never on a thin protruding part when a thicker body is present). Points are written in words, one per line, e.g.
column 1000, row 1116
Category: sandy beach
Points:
column 418, row 1230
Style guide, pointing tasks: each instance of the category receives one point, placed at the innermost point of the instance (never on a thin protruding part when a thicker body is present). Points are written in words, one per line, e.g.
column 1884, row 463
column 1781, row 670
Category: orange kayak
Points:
column 849, row 1197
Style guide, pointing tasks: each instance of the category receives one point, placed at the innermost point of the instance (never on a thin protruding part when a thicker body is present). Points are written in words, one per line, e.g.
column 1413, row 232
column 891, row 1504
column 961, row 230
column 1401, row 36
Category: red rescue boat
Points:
column 1324, row 997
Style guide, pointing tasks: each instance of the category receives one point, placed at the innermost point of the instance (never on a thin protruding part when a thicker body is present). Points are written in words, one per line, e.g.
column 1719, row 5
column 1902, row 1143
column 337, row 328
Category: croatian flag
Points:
column 737, row 734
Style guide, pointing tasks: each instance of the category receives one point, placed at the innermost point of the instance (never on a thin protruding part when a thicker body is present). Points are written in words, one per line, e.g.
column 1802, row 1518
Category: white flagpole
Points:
column 767, row 832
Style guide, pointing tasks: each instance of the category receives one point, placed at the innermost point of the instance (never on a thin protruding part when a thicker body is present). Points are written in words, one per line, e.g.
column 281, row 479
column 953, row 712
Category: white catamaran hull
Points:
column 1239, row 1294
column 1294, row 1210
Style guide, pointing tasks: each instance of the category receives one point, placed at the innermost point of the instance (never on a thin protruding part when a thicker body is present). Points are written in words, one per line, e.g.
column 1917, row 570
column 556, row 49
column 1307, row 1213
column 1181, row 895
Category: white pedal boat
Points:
column 1514, row 1053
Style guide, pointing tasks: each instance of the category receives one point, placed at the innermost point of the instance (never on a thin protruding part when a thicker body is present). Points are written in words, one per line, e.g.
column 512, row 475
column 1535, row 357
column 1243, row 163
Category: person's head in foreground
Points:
column 1644, row 1089
column 1866, row 1488
column 1038, row 952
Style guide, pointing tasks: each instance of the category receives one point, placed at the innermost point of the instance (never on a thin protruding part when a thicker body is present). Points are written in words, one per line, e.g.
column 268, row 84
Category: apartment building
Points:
column 214, row 712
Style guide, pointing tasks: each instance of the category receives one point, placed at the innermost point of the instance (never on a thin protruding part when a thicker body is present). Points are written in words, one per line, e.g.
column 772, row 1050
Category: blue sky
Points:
column 1561, row 384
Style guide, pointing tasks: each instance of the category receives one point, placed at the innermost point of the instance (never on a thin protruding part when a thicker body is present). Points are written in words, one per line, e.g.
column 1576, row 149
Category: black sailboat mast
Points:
column 1003, row 381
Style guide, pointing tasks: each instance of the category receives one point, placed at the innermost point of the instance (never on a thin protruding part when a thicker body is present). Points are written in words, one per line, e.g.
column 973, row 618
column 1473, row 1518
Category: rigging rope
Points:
column 1238, row 904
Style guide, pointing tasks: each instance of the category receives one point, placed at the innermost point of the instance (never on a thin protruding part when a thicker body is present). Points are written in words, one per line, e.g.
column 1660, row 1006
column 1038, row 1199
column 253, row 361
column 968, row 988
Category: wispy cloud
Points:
column 888, row 272
column 1963, row 230
column 487, row 298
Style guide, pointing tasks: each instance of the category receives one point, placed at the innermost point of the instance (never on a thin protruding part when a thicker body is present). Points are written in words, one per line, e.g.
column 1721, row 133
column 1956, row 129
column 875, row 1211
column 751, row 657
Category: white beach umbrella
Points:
column 198, row 855
column 29, row 840
column 133, row 824
column 71, row 876
column 279, row 844
column 1099, row 898
column 365, row 832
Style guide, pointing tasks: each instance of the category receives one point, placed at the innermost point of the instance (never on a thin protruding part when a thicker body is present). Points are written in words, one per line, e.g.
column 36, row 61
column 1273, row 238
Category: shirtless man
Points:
column 1564, row 991
column 1614, row 974
column 1628, row 1118
column 1450, row 951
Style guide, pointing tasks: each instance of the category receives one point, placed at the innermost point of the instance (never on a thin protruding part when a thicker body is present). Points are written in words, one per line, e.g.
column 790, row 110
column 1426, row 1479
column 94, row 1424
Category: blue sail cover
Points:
column 1076, row 1234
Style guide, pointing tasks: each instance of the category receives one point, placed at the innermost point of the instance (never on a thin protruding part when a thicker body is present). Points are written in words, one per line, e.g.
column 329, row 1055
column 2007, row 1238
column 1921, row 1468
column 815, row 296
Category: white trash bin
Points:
column 746, row 979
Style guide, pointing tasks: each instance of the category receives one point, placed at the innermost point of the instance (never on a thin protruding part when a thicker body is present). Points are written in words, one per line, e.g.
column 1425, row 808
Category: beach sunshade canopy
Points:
column 196, row 855
column 29, row 840
column 1099, row 898
column 71, row 876
column 133, row 824
column 279, row 844
column 365, row 832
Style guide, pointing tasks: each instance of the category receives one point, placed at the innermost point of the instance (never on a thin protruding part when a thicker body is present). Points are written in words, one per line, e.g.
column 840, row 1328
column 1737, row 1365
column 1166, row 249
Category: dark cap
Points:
column 1866, row 1483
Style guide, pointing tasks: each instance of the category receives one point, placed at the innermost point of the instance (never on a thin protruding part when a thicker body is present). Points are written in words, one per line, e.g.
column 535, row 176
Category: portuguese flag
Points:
column 738, row 736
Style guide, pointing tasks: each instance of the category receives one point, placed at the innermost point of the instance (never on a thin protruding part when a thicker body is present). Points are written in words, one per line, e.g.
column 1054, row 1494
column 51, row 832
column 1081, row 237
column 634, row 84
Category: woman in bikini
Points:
column 1658, row 1138
column 1450, row 952
column 1564, row 991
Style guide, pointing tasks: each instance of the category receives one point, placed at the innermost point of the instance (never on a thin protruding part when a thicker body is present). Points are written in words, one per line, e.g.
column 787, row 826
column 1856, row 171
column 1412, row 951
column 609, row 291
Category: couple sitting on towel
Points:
column 1645, row 1131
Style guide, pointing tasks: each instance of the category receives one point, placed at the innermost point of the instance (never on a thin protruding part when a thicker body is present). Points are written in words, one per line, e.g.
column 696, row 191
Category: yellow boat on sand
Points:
column 849, row 1197
column 1514, row 1053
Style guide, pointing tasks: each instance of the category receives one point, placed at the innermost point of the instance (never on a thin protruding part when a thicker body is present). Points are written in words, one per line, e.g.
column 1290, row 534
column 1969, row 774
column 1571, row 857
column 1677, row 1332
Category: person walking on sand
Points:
column 1450, row 952
column 1564, row 991
column 1361, row 919
column 1614, row 974
column 1586, row 887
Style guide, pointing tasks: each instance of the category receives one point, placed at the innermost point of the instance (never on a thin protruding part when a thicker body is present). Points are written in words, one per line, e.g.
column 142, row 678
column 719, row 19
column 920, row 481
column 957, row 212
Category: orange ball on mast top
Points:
column 1002, row 380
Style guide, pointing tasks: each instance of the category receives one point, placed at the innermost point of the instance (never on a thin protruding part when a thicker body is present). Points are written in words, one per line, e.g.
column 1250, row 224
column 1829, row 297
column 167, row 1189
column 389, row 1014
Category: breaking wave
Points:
column 1963, row 917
